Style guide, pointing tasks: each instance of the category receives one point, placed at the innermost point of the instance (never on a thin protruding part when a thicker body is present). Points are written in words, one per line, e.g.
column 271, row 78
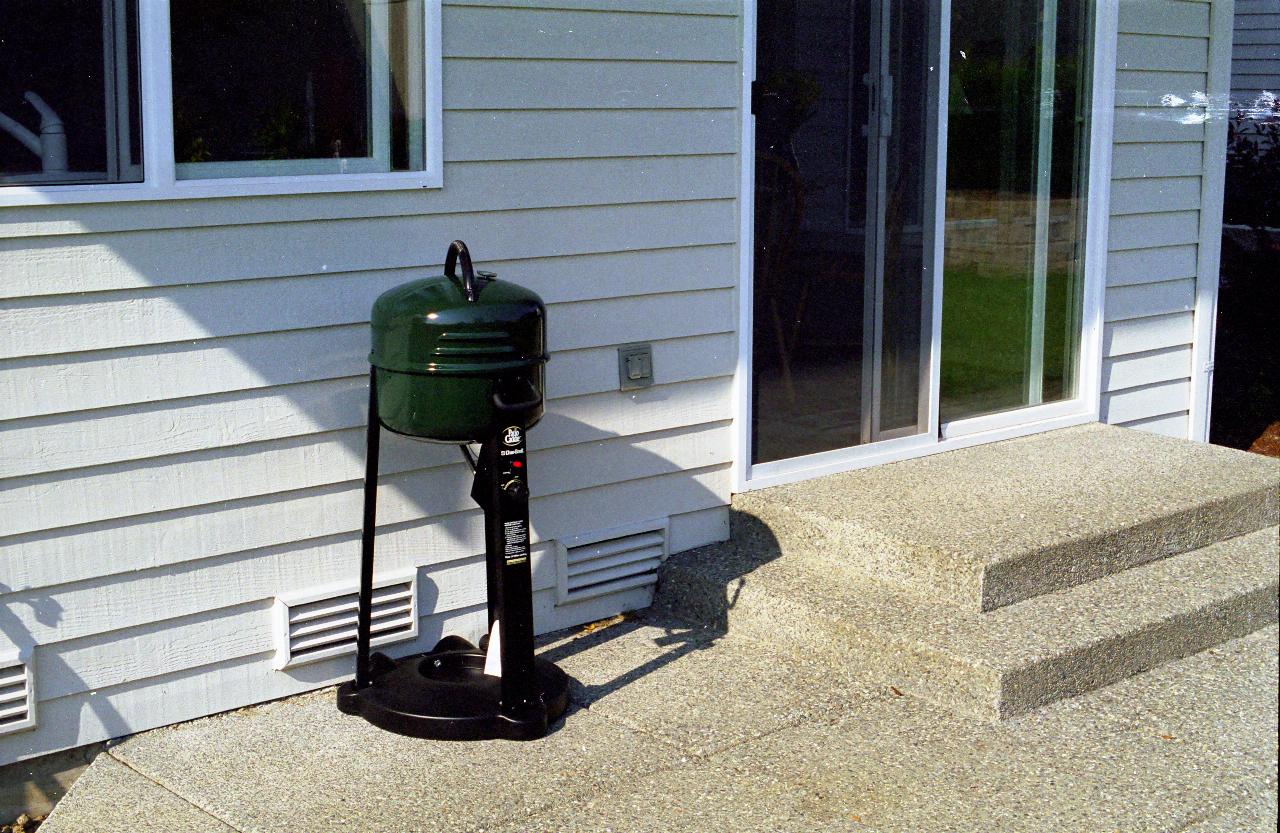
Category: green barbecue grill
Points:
column 456, row 358
column 460, row 359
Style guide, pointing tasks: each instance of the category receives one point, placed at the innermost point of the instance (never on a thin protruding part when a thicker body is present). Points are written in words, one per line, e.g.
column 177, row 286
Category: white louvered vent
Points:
column 17, row 695
column 321, row 623
column 608, row 561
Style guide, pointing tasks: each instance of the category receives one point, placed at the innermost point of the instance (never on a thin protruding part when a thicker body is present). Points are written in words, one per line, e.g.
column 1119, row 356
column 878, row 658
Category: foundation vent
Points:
column 608, row 561
column 321, row 623
column 17, row 695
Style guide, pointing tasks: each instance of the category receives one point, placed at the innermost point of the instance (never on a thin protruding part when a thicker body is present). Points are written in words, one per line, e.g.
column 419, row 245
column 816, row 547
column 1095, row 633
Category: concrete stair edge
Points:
column 959, row 658
column 926, row 573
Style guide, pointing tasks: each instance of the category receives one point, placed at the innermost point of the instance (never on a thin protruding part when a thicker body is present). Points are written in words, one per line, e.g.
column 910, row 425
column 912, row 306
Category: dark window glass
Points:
column 297, row 86
column 69, row 107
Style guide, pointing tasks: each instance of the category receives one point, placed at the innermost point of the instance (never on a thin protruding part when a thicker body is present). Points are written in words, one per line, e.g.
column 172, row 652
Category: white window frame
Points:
column 1084, row 407
column 160, row 180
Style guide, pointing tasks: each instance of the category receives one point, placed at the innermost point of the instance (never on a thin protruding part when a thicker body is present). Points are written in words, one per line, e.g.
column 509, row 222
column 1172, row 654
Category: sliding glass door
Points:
column 842, row 215
column 1017, row 137
column 866, row 340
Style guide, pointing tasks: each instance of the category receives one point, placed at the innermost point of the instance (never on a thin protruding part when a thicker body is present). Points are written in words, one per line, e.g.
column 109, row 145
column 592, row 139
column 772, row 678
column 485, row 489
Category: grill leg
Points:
column 365, row 611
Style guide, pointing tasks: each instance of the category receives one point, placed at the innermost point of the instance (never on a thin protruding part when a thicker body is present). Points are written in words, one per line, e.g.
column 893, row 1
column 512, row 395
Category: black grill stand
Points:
column 445, row 693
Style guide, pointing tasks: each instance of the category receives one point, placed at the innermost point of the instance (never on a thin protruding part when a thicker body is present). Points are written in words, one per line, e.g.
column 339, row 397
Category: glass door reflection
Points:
column 843, row 142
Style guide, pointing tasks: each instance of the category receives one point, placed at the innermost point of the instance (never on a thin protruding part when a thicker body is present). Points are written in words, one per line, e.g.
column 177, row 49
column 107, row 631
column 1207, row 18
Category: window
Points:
column 217, row 97
column 69, row 92
column 1017, row 144
column 296, row 87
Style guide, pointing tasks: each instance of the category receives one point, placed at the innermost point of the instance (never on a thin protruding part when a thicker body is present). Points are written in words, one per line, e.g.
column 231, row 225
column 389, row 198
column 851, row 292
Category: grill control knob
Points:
column 516, row 489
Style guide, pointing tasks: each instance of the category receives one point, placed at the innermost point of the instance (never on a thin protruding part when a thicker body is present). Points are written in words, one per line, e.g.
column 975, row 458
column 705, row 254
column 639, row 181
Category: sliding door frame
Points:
column 1085, row 407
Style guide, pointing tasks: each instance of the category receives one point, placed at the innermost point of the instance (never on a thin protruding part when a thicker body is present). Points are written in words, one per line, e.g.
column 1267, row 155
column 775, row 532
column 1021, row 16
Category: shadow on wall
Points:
column 692, row 616
column 90, row 641
column 43, row 787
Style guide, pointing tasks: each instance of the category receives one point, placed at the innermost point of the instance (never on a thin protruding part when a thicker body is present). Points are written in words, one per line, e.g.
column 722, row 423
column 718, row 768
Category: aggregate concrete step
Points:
column 992, row 525
column 991, row 665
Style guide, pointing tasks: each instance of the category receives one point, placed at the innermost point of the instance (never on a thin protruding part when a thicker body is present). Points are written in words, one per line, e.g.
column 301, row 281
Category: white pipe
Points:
column 53, row 136
column 51, row 144
column 29, row 140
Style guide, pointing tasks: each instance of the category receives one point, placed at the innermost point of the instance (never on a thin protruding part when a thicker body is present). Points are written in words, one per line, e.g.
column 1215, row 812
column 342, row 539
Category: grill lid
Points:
column 468, row 325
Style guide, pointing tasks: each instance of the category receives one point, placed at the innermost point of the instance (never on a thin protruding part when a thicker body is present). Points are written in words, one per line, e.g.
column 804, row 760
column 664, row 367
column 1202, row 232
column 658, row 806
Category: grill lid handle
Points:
column 532, row 399
column 459, row 249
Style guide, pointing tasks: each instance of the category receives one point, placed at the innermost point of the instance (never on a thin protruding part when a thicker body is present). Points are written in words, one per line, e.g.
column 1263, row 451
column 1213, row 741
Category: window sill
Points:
column 261, row 186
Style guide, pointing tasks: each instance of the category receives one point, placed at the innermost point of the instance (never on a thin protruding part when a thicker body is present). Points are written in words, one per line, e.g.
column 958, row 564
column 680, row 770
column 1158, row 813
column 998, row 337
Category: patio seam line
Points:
column 691, row 765
column 701, row 756
column 575, row 797
column 172, row 791
column 1221, row 804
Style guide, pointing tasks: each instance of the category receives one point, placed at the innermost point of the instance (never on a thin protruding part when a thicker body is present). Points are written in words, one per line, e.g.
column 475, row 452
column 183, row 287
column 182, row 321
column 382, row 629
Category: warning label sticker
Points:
column 516, row 539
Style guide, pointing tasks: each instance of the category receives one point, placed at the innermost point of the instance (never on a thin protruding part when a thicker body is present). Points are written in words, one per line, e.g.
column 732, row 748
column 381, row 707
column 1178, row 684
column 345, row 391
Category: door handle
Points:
column 886, row 106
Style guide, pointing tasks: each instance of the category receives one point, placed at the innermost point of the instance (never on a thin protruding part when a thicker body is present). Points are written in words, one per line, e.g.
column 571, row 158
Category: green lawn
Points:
column 984, row 339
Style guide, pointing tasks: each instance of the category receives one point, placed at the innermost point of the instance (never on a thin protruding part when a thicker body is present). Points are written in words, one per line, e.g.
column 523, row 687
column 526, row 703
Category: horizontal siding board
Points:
column 1162, row 159
column 154, row 649
column 117, row 490
column 1159, row 124
column 127, row 600
column 479, row 135
column 619, row 320
column 149, row 258
column 1168, row 425
column 469, row 187
column 1246, row 7
column 169, row 538
column 1148, row 88
column 1146, row 231
column 478, row 32
column 136, row 317
column 1140, row 335
column 41, row 385
column 1162, row 52
column 1260, row 51
column 1162, row 298
column 1261, row 34
column 1164, row 17
column 1166, row 263
column 1141, row 403
column 594, row 370
column 1257, row 22
column 1153, row 194
column 481, row 84
column 1255, row 77
column 44, row 445
column 1146, row 368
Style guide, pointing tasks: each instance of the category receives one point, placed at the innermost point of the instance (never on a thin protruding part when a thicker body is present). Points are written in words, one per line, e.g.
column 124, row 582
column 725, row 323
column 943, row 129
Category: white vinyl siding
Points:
column 1255, row 51
column 182, row 384
column 1162, row 238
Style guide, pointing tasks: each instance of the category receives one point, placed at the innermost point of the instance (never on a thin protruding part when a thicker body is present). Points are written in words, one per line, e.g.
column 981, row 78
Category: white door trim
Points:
column 746, row 248
column 1212, row 184
column 1085, row 407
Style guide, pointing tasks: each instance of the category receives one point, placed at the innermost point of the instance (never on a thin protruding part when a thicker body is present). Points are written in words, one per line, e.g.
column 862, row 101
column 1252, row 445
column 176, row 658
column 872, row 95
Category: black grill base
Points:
column 445, row 695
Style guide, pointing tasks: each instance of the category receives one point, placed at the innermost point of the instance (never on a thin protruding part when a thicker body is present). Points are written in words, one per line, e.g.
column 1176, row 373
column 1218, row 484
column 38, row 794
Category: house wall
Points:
column 1255, row 50
column 182, row 384
column 1166, row 214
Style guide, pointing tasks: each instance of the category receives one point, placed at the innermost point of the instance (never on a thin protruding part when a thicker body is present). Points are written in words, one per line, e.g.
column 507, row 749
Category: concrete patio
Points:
column 1074, row 631
column 673, row 729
